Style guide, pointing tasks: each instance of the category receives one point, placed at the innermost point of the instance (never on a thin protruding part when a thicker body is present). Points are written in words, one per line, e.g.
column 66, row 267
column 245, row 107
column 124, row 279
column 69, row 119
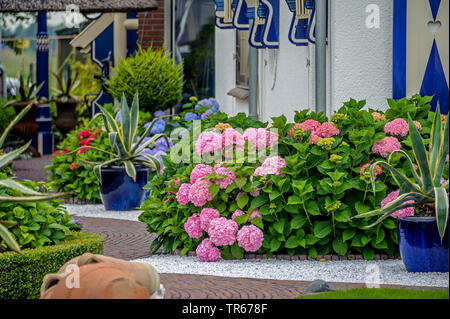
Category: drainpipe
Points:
column 252, row 79
column 321, row 33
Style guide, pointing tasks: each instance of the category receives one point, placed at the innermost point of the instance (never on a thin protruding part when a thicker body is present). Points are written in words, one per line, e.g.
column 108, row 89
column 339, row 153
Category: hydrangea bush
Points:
column 210, row 207
column 298, row 202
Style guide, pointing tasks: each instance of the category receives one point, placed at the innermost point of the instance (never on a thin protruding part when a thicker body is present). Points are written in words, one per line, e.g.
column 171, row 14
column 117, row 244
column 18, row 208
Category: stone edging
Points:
column 296, row 257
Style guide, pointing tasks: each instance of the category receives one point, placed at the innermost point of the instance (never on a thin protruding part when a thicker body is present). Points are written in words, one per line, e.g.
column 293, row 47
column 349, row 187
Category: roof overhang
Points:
column 85, row 6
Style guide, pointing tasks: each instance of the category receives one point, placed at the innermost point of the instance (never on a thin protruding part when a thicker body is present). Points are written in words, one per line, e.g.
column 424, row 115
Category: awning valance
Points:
column 86, row 6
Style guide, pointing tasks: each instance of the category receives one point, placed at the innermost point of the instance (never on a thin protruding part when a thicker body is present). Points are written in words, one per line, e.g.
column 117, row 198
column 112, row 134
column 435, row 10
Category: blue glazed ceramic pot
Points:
column 119, row 192
column 420, row 245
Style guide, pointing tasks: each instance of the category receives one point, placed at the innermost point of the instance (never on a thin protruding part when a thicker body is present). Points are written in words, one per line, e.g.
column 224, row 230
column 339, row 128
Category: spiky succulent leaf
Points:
column 441, row 206
column 6, row 158
column 6, row 235
column 13, row 123
column 420, row 154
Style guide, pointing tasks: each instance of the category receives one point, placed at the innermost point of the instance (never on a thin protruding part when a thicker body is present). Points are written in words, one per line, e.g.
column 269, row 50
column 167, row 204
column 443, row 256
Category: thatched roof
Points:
column 84, row 5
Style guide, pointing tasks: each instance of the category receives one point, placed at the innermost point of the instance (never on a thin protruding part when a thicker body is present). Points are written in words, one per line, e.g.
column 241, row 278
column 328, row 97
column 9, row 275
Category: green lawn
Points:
column 380, row 293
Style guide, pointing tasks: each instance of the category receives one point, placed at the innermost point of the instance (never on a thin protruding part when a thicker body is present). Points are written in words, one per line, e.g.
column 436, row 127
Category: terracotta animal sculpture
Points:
column 92, row 276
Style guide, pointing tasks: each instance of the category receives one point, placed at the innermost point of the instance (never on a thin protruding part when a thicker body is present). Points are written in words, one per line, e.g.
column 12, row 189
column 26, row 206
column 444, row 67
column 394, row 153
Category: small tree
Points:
column 151, row 73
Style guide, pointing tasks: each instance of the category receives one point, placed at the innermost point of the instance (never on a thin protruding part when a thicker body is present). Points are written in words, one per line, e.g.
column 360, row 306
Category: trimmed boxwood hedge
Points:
column 21, row 275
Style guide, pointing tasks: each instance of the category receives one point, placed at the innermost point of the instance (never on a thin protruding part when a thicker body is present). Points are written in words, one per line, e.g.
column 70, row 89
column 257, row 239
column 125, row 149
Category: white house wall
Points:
column 359, row 63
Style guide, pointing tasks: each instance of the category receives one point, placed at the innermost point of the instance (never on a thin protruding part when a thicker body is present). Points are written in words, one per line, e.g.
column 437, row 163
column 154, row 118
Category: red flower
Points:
column 83, row 150
column 56, row 153
column 93, row 136
column 74, row 166
column 86, row 142
column 83, row 134
column 65, row 150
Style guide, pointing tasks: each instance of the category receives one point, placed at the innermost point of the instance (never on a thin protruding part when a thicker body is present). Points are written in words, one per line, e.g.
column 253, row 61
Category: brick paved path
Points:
column 130, row 240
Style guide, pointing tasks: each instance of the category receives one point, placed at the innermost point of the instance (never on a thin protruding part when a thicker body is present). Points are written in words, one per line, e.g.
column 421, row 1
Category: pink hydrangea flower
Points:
column 418, row 125
column 255, row 192
column 183, row 194
column 297, row 126
column 206, row 215
column 199, row 193
column 193, row 226
column 409, row 211
column 446, row 159
column 208, row 142
column 250, row 238
column 314, row 139
column 237, row 213
column 255, row 213
column 260, row 137
column 326, row 130
column 222, row 231
column 200, row 171
column 308, row 125
column 232, row 137
column 377, row 169
column 230, row 176
column 378, row 116
column 397, row 127
column 272, row 165
column 386, row 145
column 206, row 251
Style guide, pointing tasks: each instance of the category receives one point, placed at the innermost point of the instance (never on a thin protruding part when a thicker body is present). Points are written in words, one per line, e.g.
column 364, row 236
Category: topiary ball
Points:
column 153, row 74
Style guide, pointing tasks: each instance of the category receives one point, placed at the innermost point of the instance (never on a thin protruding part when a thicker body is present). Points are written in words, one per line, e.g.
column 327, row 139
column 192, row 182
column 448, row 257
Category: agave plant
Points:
column 29, row 195
column 125, row 144
column 67, row 84
column 27, row 91
column 427, row 173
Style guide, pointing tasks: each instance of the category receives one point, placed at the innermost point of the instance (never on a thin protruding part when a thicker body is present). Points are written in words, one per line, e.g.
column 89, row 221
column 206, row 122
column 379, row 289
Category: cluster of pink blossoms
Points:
column 388, row 144
column 272, row 165
column 408, row 211
column 210, row 141
column 197, row 191
column 318, row 131
column 397, row 127
column 222, row 231
column 377, row 169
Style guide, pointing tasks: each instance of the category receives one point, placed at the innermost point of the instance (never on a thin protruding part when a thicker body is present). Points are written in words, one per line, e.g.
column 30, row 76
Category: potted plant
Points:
column 30, row 195
column 26, row 94
column 123, row 176
column 65, row 100
column 423, row 239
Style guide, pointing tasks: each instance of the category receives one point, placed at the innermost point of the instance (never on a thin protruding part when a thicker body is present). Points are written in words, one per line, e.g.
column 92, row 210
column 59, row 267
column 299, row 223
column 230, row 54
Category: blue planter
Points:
column 119, row 192
column 420, row 245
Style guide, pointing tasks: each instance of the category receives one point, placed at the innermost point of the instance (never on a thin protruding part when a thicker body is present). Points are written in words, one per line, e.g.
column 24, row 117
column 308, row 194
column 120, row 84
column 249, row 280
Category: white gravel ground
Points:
column 99, row 211
column 360, row 271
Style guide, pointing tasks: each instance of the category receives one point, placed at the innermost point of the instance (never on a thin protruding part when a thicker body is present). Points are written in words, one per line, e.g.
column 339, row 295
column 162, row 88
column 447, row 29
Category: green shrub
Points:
column 67, row 173
column 307, row 209
column 151, row 73
column 21, row 275
column 37, row 224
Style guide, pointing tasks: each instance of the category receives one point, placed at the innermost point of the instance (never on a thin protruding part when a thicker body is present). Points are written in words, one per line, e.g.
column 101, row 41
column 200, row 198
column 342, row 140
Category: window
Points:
column 242, row 48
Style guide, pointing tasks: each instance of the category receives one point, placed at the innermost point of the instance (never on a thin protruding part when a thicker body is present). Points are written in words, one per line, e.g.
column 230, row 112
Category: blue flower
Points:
column 159, row 113
column 208, row 102
column 190, row 116
column 158, row 127
column 208, row 112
